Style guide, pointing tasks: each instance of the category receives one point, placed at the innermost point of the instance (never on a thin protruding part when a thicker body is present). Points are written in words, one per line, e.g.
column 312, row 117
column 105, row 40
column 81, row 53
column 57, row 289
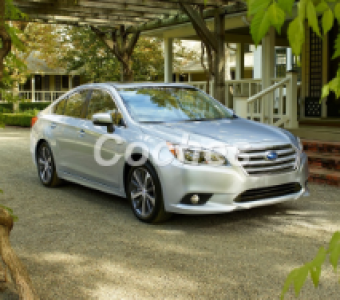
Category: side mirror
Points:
column 103, row 119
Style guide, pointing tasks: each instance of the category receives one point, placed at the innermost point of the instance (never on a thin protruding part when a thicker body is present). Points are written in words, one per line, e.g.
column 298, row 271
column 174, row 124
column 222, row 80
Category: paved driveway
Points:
column 82, row 244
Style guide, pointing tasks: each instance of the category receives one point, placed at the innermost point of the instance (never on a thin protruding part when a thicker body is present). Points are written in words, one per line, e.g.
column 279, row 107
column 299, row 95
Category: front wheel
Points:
column 145, row 195
column 46, row 166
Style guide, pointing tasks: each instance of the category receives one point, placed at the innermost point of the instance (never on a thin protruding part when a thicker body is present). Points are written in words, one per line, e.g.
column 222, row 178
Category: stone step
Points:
column 324, row 176
column 317, row 146
column 324, row 160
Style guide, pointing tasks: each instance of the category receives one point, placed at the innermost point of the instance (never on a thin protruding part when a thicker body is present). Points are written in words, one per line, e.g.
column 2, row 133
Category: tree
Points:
column 267, row 13
column 11, row 260
column 80, row 50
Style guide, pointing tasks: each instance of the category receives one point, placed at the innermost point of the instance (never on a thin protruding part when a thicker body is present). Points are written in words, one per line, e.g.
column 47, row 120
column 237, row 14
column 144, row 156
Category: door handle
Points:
column 53, row 125
column 81, row 133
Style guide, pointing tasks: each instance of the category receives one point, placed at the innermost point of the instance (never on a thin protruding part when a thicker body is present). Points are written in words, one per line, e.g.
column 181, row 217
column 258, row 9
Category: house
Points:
column 193, row 71
column 45, row 83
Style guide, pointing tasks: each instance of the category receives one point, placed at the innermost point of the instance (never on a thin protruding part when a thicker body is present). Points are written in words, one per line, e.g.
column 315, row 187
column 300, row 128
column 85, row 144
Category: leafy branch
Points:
column 298, row 276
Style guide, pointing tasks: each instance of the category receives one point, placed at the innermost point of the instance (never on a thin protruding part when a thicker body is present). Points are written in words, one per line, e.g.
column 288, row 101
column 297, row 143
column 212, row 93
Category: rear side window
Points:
column 101, row 102
column 75, row 104
column 59, row 108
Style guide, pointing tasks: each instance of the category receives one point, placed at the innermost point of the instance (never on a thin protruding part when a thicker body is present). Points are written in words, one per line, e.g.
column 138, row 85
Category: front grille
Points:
column 269, row 192
column 254, row 161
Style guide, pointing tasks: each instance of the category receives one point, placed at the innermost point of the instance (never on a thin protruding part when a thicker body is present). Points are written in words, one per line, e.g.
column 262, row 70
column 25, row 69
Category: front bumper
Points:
column 225, row 184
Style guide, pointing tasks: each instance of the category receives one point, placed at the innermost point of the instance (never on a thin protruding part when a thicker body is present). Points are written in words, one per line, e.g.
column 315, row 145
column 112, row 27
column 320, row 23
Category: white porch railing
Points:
column 275, row 105
column 37, row 96
column 41, row 96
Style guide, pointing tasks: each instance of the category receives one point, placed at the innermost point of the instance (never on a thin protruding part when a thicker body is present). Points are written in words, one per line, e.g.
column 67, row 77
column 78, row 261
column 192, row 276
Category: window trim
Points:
column 113, row 99
column 85, row 90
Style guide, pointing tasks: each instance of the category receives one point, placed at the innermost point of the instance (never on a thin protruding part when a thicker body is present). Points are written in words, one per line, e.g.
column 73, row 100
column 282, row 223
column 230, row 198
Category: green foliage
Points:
column 16, row 119
column 25, row 106
column 13, row 63
column 6, row 107
column 298, row 276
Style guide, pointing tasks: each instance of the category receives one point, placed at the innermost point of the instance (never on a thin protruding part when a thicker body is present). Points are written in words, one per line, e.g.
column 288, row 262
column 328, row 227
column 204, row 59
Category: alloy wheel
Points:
column 143, row 192
column 45, row 164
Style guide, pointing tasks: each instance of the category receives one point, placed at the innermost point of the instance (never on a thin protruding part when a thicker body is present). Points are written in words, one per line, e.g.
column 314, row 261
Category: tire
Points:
column 144, row 193
column 46, row 167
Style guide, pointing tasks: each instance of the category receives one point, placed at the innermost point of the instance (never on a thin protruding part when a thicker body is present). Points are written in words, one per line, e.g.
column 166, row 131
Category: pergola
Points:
column 119, row 23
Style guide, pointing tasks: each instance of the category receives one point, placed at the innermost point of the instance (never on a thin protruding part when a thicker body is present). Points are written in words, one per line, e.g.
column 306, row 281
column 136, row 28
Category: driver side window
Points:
column 102, row 102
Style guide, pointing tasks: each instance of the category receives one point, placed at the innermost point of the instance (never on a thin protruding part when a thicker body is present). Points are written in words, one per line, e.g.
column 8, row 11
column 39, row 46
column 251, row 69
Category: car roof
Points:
column 119, row 85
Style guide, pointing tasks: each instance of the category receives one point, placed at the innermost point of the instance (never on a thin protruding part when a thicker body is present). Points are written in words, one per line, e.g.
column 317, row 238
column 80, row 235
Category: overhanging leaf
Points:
column 286, row 5
column 321, row 7
column 312, row 18
column 337, row 11
column 277, row 16
column 296, row 35
column 327, row 21
column 256, row 6
column 300, row 279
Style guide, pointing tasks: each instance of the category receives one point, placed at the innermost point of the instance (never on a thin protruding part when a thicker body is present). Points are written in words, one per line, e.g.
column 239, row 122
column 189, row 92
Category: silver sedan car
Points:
column 167, row 148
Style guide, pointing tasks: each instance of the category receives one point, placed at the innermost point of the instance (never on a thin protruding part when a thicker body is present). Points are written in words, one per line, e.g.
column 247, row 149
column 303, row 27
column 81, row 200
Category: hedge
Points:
column 19, row 119
column 23, row 106
column 6, row 107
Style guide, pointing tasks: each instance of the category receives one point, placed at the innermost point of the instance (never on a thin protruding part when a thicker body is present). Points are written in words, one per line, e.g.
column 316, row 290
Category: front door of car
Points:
column 95, row 166
column 68, row 131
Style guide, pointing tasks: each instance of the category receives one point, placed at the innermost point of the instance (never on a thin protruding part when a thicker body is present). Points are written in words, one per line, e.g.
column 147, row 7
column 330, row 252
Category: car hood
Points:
column 233, row 132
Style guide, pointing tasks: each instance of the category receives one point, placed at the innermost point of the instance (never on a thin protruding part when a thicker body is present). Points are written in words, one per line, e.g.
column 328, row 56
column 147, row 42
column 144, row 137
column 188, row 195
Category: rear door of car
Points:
column 68, row 130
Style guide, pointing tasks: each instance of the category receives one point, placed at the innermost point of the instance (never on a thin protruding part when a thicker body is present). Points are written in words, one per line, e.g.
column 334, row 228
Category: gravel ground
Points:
column 78, row 243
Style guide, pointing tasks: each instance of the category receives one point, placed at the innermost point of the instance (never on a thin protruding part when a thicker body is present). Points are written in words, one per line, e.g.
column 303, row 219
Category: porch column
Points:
column 289, row 55
column 189, row 77
column 239, row 74
column 33, row 87
column 291, row 100
column 70, row 82
column 268, row 67
column 168, row 59
column 220, row 58
column 325, row 70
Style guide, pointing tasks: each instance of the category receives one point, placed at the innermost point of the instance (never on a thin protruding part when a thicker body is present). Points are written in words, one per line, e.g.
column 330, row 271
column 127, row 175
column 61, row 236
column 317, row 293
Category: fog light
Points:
column 194, row 199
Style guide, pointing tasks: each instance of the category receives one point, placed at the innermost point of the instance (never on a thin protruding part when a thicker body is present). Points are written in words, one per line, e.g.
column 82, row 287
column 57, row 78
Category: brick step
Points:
column 316, row 146
column 324, row 176
column 324, row 160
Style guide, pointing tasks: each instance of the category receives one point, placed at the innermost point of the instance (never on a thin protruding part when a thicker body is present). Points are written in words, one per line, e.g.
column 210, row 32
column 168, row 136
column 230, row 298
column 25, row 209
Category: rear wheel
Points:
column 145, row 195
column 46, row 166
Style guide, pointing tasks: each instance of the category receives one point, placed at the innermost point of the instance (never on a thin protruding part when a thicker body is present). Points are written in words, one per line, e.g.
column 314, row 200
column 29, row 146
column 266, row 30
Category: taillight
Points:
column 33, row 121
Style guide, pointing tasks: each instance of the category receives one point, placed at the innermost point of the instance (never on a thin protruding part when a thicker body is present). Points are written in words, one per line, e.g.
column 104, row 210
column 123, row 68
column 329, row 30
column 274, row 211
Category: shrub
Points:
column 24, row 106
column 6, row 107
column 20, row 119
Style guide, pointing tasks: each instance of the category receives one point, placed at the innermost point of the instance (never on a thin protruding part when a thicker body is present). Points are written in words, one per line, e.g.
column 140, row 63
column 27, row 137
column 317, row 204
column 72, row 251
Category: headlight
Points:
column 196, row 155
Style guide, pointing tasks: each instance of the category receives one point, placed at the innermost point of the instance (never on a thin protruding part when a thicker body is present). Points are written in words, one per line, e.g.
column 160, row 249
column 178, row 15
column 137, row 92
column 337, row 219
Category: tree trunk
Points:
column 122, row 47
column 17, row 269
column 5, row 39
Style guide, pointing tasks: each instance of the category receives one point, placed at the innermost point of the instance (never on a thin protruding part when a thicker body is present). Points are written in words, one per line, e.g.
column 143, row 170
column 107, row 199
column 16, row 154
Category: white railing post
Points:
column 241, row 106
column 291, row 100
column 33, row 87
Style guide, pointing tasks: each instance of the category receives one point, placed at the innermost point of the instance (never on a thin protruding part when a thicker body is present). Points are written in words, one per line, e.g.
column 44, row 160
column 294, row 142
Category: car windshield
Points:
column 171, row 104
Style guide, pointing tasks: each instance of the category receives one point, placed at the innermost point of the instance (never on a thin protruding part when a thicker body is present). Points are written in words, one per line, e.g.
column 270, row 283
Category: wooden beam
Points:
column 50, row 8
column 51, row 12
column 82, row 21
column 200, row 26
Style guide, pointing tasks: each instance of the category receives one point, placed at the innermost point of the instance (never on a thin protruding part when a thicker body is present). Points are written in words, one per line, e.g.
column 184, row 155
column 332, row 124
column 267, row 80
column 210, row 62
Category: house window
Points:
column 27, row 85
column 280, row 62
column 65, row 82
column 38, row 82
column 76, row 80
column 57, row 82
